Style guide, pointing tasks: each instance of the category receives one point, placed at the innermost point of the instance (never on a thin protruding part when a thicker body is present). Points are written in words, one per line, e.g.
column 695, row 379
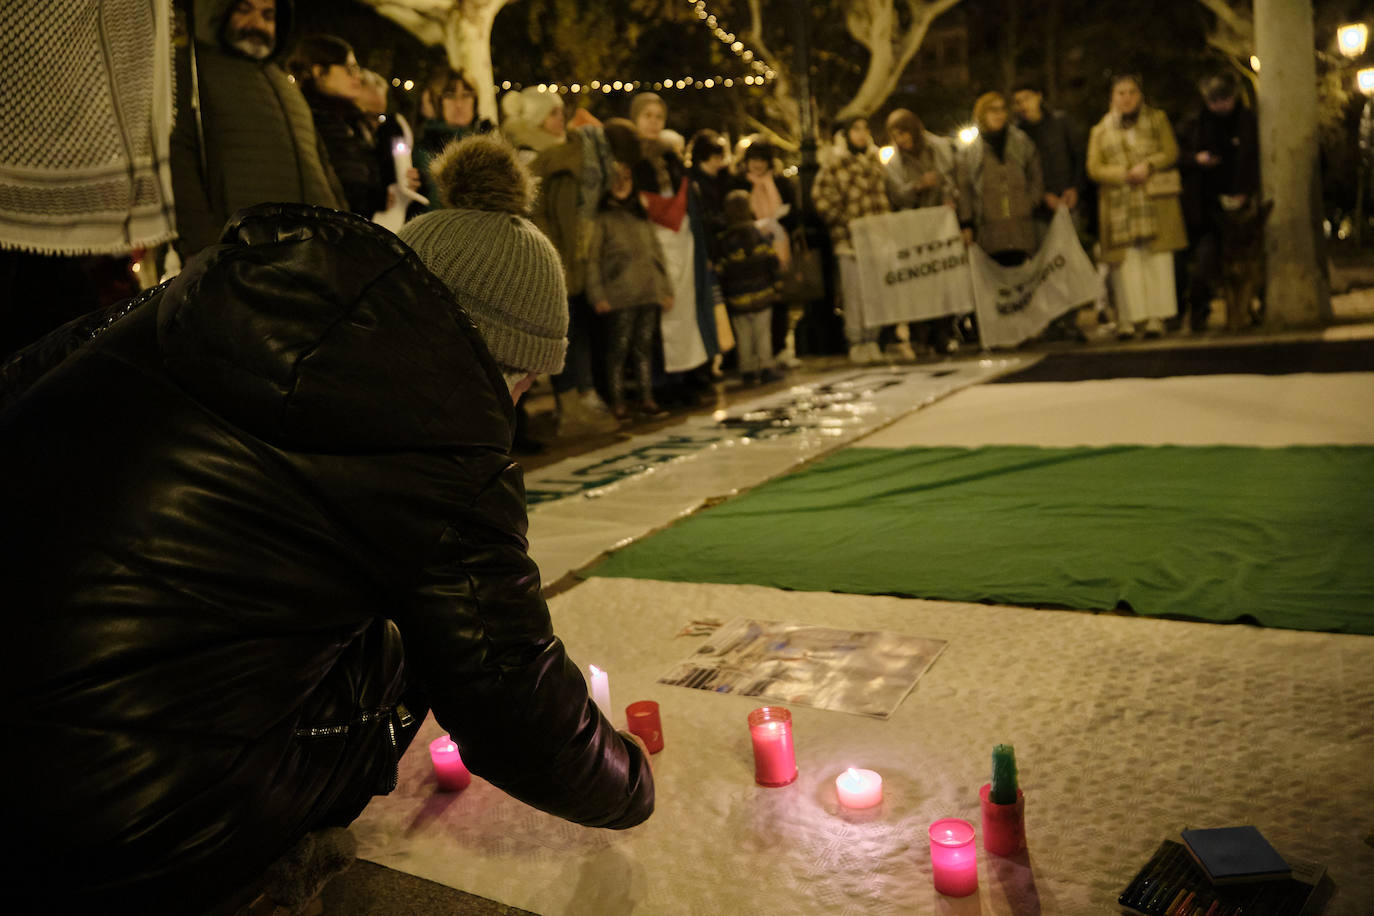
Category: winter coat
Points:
column 260, row 143
column 1060, row 144
column 1234, row 138
column 904, row 170
column 1109, row 169
column 342, row 127
column 557, row 210
column 749, row 274
column 997, row 197
column 625, row 262
column 710, row 190
column 263, row 508
column 849, row 185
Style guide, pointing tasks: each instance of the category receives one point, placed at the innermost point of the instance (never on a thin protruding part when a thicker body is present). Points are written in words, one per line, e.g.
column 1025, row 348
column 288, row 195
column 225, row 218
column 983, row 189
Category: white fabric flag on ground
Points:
column 912, row 266
column 1016, row 303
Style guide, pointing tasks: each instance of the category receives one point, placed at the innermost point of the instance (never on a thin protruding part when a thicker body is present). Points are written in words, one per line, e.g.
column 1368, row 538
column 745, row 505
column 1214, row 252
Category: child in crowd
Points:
column 627, row 281
column 751, row 279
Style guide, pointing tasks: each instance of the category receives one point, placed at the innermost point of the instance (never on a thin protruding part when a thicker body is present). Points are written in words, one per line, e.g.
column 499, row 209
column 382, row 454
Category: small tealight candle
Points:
column 954, row 857
column 859, row 788
column 448, row 765
column 775, row 760
column 601, row 689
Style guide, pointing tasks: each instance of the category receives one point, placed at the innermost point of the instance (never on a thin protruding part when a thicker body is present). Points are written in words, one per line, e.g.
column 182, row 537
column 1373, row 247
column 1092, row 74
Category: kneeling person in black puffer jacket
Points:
column 257, row 523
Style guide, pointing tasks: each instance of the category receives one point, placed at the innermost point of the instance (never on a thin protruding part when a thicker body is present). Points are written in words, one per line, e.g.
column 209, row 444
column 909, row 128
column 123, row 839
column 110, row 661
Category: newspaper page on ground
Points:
column 864, row 672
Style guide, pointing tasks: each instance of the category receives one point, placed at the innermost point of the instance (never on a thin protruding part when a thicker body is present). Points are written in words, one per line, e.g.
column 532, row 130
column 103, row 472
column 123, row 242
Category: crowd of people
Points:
column 663, row 295
column 663, row 236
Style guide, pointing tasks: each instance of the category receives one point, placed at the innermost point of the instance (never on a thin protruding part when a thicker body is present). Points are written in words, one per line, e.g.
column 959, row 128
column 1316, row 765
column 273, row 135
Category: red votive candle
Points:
column 643, row 721
column 954, row 857
column 449, row 771
column 775, row 761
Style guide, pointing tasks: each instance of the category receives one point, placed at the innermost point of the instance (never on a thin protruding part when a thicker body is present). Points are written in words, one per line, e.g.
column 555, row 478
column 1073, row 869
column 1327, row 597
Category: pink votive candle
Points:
column 775, row 761
column 954, row 857
column 449, row 771
column 859, row 788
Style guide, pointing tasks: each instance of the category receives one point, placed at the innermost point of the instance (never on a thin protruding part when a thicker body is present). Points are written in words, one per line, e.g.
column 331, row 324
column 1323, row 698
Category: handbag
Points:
column 804, row 279
column 1167, row 183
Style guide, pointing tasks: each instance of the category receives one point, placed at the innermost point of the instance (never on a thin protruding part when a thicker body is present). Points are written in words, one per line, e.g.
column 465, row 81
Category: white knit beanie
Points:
column 502, row 270
column 530, row 106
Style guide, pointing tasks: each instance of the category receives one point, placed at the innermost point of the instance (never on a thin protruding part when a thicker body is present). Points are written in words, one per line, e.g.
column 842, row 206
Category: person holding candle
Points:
column 271, row 520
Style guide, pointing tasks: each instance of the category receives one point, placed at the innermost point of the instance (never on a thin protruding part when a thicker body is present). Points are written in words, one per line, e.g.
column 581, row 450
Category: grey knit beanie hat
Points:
column 503, row 271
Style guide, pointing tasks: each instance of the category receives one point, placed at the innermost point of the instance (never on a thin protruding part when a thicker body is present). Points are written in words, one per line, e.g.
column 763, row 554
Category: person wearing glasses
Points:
column 448, row 112
column 331, row 81
column 243, row 132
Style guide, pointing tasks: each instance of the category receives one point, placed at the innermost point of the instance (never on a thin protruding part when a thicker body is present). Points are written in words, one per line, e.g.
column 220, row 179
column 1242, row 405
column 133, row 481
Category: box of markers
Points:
column 1172, row 884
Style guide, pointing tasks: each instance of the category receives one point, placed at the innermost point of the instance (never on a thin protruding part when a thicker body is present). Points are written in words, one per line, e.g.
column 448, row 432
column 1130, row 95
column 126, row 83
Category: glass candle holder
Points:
column 775, row 760
column 954, row 857
column 1004, row 826
column 449, row 771
column 642, row 719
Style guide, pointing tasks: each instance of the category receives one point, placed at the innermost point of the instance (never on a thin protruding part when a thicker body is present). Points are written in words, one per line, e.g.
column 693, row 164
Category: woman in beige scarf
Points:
column 1133, row 156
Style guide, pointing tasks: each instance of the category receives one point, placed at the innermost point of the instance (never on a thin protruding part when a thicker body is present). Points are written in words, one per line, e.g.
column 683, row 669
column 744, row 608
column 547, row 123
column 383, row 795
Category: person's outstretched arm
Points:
column 479, row 640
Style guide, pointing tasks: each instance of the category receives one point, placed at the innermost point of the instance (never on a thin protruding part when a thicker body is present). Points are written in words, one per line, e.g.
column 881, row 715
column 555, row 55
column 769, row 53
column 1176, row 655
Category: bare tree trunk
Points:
column 1298, row 292
column 463, row 27
column 875, row 25
column 467, row 42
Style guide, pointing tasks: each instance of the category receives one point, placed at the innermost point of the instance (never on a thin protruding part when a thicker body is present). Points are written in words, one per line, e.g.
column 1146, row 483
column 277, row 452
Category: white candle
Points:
column 401, row 158
column 601, row 689
column 859, row 788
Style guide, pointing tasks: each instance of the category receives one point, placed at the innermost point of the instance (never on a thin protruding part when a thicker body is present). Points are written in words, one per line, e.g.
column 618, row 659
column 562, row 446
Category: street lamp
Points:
column 1352, row 39
column 1365, row 80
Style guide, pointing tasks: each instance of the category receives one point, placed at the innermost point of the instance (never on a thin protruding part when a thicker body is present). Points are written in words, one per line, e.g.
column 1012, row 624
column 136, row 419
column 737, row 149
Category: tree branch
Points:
column 1231, row 17
column 426, row 25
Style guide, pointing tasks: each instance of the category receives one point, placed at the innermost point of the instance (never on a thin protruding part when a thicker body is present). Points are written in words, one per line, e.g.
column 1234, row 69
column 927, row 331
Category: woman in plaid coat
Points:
column 1133, row 157
column 851, row 183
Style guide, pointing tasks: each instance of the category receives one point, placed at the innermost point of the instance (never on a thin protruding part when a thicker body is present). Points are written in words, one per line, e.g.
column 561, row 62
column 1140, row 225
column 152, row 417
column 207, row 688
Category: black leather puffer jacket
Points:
column 239, row 524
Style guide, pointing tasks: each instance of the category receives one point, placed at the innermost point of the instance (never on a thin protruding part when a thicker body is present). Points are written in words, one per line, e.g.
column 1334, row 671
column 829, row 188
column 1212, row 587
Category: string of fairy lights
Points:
column 760, row 72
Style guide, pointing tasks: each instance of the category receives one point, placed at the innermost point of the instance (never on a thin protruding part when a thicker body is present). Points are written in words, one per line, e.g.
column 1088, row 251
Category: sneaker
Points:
column 651, row 411
column 1125, row 331
column 901, row 350
column 875, row 354
column 593, row 402
column 1154, row 328
column 787, row 358
column 576, row 419
column 858, row 353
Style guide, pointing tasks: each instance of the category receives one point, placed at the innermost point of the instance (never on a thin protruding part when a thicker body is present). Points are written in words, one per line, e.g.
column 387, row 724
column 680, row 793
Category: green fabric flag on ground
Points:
column 1283, row 537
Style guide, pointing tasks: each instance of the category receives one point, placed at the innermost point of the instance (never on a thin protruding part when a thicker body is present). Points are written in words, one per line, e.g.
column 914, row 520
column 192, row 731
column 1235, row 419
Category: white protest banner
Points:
column 1017, row 303
column 912, row 265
